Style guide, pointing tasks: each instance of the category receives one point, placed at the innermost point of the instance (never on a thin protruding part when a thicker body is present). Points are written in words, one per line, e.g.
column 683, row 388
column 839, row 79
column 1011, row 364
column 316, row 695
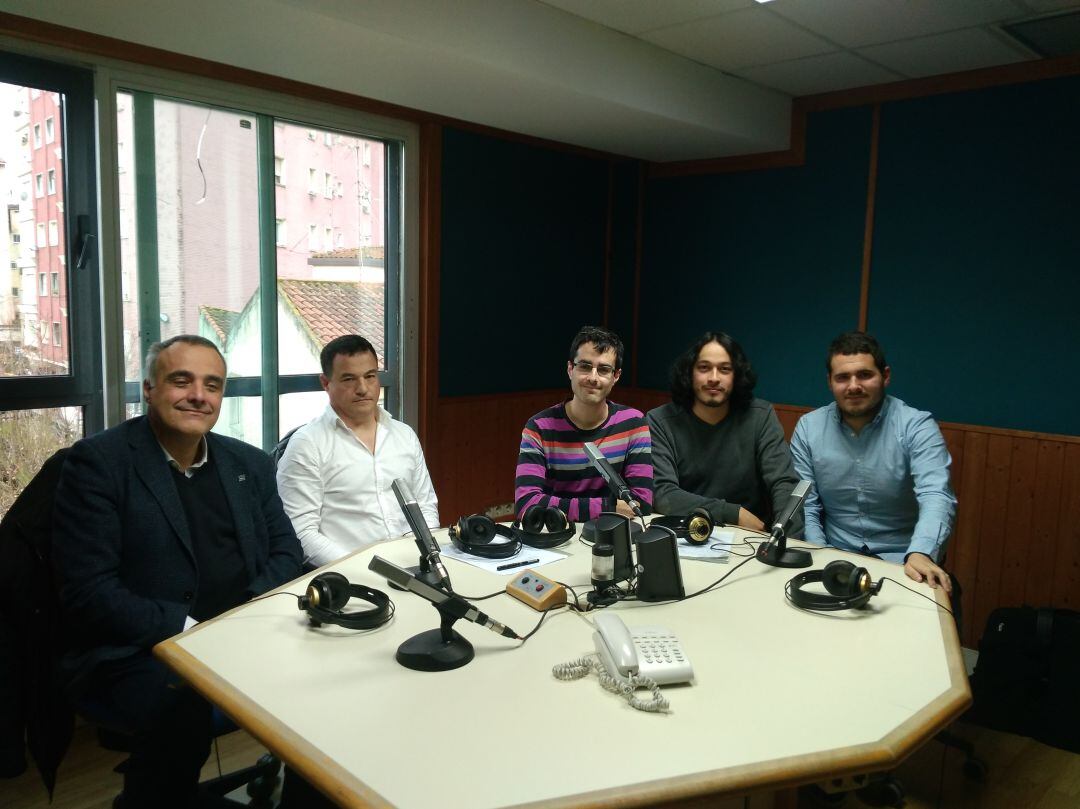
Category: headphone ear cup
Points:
column 481, row 529
column 532, row 521
column 554, row 519
column 839, row 578
column 699, row 527
column 331, row 590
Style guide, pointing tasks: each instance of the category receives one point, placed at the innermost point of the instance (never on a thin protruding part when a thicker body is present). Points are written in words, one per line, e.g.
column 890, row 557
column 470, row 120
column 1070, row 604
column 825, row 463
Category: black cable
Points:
column 478, row 598
column 271, row 595
column 540, row 623
column 916, row 592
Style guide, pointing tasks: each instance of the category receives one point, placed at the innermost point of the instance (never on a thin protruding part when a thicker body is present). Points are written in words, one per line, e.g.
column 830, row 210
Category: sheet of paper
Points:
column 526, row 557
column 717, row 549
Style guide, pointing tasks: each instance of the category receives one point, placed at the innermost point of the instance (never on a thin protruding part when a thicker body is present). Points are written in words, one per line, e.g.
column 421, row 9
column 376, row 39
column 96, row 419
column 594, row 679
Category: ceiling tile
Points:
column 739, row 39
column 635, row 16
column 854, row 23
column 945, row 53
column 819, row 74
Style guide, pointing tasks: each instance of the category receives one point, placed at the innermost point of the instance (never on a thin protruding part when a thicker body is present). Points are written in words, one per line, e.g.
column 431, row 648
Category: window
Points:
column 313, row 239
column 40, row 234
column 328, row 238
column 16, row 238
column 279, row 171
column 57, row 334
column 55, row 283
column 52, row 181
column 49, row 134
column 328, row 138
column 367, row 153
column 328, row 185
column 281, row 233
column 37, row 136
column 43, row 284
column 54, row 233
column 313, row 182
column 39, row 185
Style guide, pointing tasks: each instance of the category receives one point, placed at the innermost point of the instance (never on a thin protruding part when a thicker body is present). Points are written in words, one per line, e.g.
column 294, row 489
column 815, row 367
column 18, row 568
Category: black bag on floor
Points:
column 1027, row 679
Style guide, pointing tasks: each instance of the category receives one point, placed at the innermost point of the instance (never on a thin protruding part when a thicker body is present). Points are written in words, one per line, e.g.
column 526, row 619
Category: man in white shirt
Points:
column 336, row 473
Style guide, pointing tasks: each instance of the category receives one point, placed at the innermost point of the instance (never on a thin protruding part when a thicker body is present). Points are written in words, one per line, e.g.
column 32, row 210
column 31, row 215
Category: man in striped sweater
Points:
column 553, row 469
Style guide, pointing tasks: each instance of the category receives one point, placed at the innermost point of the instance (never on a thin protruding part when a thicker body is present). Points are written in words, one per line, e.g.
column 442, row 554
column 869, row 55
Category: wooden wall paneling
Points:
column 991, row 538
column 1046, row 513
column 1066, row 583
column 868, row 232
column 963, row 553
column 1017, row 547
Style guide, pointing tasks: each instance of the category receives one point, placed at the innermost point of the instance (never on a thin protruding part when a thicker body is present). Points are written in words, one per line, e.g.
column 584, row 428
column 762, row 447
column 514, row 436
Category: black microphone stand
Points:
column 776, row 553
column 439, row 649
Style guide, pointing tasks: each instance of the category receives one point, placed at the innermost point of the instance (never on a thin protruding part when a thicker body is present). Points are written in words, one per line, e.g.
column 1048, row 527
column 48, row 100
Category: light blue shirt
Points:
column 885, row 490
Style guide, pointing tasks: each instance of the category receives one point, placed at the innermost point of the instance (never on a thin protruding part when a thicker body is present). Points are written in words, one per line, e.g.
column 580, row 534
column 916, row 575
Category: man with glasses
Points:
column 553, row 469
column 716, row 446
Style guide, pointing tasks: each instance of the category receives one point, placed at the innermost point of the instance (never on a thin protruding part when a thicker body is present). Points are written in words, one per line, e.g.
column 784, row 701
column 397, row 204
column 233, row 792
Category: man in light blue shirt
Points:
column 880, row 469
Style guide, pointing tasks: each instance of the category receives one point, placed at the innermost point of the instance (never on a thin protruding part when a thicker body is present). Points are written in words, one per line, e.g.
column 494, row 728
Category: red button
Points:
column 539, row 587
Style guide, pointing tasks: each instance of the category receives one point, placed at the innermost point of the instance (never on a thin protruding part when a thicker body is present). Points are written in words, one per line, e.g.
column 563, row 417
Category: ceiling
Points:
column 655, row 79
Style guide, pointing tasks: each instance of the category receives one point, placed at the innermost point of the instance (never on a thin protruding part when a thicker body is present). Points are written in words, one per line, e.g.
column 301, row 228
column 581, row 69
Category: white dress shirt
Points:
column 337, row 493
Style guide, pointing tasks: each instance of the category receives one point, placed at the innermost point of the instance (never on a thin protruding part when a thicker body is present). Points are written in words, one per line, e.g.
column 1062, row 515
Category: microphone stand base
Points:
column 784, row 557
column 435, row 650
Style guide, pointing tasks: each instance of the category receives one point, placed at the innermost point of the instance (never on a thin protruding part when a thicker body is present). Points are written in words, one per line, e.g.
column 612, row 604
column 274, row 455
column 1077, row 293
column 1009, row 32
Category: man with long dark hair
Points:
column 880, row 468
column 717, row 447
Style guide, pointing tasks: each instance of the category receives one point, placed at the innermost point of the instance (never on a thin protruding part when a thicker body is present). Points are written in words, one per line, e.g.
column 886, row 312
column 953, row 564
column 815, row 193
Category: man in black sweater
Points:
column 161, row 524
column 717, row 447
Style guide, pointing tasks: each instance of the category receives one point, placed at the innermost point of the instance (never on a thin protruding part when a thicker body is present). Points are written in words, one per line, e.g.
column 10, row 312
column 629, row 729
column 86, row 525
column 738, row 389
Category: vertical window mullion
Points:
column 268, row 280
column 146, row 224
column 393, row 184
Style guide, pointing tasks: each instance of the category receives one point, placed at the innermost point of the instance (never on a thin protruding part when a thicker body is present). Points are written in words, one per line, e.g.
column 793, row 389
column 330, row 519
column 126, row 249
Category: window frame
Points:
column 401, row 142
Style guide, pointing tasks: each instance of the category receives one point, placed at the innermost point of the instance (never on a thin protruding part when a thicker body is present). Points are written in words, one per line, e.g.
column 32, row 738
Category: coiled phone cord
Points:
column 576, row 669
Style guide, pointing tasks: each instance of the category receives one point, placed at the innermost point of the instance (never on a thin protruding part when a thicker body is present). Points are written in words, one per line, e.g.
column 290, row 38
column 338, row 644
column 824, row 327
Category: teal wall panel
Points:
column 523, row 235
column 976, row 270
column 772, row 257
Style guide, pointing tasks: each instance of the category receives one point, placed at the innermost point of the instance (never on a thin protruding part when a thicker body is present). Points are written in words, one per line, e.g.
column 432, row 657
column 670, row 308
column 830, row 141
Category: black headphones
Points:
column 329, row 592
column 849, row 587
column 537, row 518
column 696, row 527
column 474, row 534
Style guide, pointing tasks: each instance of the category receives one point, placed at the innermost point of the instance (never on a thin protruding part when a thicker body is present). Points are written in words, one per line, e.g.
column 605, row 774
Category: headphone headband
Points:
column 843, row 577
column 324, row 599
column 473, row 535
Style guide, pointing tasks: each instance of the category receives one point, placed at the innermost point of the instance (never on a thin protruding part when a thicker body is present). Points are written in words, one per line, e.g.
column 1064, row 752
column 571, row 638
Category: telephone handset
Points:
column 647, row 651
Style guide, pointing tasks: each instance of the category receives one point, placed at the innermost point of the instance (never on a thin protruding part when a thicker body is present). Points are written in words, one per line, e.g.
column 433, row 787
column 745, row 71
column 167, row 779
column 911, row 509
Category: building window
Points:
column 328, row 185
column 50, row 135
column 312, row 182
column 40, row 234
column 281, row 233
column 37, row 136
column 52, row 181
column 16, row 238
column 367, row 154
column 56, row 334
column 279, row 171
column 55, row 277
column 328, row 238
column 43, row 284
column 328, row 138
column 54, row 233
column 313, row 239
column 39, row 185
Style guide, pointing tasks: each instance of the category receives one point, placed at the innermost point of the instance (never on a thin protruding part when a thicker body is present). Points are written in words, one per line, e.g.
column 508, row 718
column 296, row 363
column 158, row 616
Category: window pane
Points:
column 331, row 278
column 27, row 439
column 205, row 260
column 297, row 409
column 33, row 315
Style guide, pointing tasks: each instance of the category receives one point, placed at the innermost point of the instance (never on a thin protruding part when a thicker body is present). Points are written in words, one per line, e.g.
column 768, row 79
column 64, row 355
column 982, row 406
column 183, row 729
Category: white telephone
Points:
column 647, row 651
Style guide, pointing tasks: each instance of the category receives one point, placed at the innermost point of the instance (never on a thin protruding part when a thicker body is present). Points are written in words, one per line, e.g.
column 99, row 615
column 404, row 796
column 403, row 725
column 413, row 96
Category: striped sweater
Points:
column 553, row 469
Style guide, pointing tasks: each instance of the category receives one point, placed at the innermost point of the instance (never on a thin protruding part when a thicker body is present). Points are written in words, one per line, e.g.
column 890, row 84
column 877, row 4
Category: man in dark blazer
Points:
column 161, row 524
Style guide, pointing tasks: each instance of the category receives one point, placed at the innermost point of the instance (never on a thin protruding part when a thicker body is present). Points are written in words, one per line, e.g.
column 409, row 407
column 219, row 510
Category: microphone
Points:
column 451, row 604
column 775, row 552
column 612, row 478
column 429, row 547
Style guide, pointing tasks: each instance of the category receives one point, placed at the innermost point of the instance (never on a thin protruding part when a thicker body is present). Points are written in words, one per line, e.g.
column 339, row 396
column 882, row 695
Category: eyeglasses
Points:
column 585, row 368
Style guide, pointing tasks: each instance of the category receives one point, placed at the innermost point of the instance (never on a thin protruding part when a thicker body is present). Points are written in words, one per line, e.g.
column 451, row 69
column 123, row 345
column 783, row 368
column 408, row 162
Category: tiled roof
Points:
column 220, row 320
column 373, row 252
column 329, row 309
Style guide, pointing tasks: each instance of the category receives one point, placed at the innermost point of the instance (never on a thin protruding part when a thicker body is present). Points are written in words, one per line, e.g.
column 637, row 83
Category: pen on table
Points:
column 512, row 565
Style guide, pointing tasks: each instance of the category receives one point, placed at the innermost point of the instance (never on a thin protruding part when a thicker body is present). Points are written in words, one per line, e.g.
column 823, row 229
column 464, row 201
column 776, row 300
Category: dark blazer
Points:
column 122, row 549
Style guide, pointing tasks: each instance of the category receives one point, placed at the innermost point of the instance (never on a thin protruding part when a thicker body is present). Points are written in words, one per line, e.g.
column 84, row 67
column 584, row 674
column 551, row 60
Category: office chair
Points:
column 279, row 447
column 261, row 778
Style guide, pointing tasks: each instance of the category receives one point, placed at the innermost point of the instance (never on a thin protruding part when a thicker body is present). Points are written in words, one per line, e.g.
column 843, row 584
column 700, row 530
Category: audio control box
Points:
column 536, row 591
